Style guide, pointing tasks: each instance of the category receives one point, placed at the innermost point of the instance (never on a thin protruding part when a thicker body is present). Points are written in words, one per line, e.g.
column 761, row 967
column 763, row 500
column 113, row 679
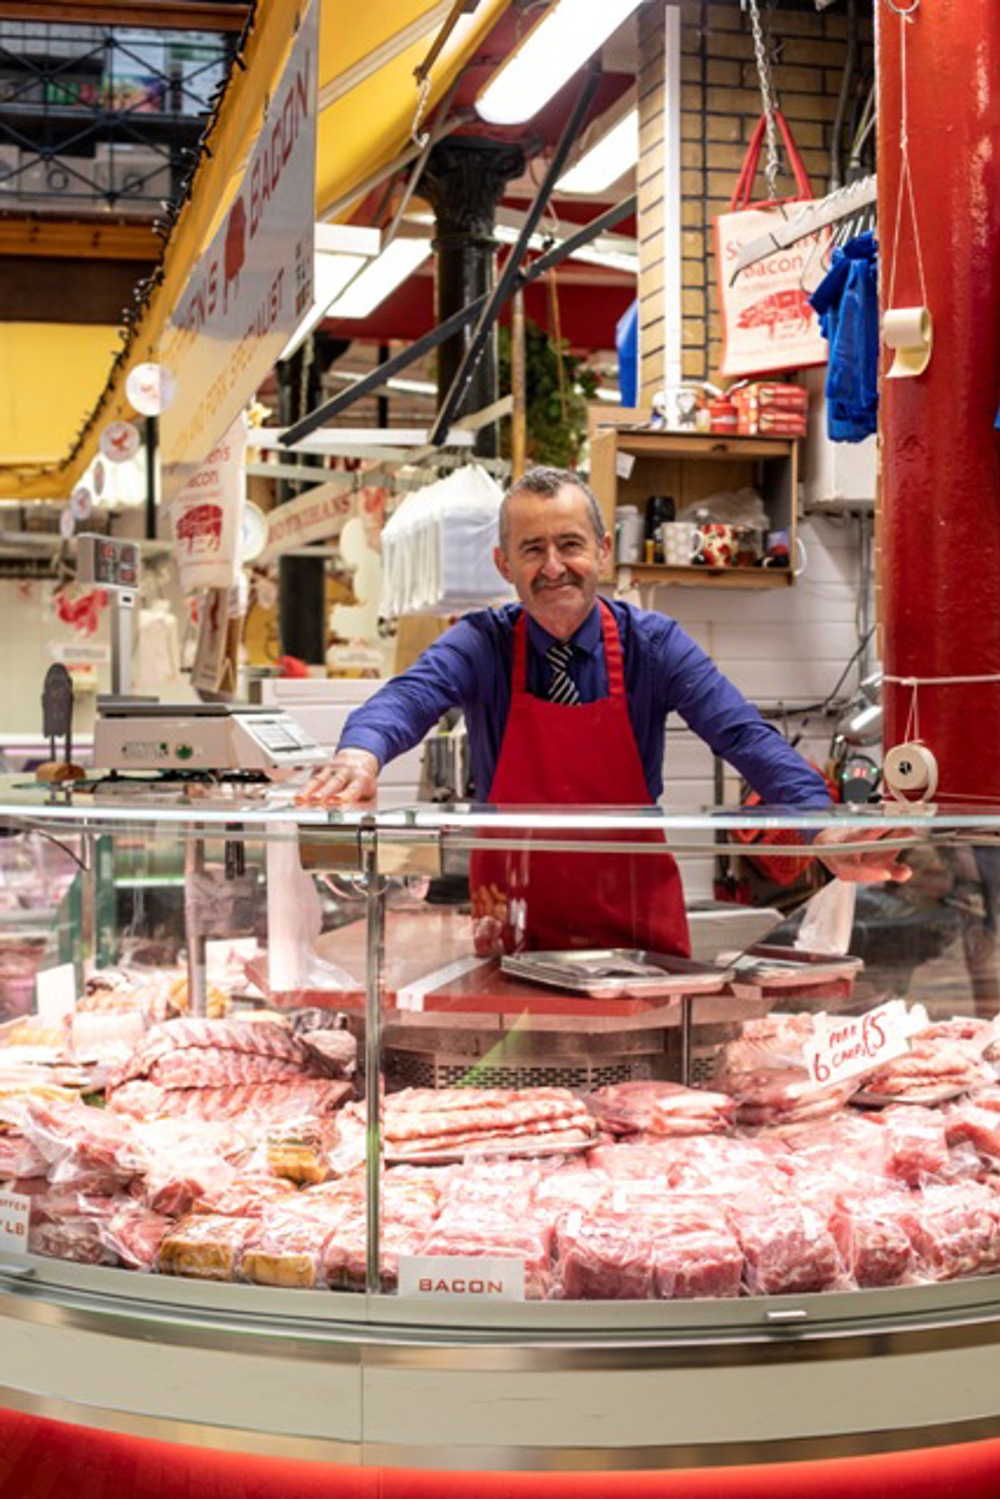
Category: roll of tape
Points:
column 910, row 770
column 910, row 333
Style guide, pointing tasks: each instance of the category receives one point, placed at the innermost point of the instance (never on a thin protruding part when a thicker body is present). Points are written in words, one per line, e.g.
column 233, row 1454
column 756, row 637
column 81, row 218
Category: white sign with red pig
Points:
column 206, row 516
column 253, row 284
column 767, row 322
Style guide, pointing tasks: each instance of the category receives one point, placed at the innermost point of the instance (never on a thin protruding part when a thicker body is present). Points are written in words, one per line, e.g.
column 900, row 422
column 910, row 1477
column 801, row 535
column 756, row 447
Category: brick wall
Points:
column 720, row 104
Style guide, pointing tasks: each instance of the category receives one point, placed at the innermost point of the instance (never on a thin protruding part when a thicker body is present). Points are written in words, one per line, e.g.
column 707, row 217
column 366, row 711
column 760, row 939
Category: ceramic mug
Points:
column 681, row 541
column 718, row 544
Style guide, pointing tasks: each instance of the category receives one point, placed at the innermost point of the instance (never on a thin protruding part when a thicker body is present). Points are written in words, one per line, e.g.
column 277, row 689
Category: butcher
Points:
column 565, row 697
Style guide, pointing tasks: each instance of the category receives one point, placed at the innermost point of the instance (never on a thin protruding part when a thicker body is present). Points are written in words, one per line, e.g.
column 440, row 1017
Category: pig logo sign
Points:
column 235, row 248
column 199, row 531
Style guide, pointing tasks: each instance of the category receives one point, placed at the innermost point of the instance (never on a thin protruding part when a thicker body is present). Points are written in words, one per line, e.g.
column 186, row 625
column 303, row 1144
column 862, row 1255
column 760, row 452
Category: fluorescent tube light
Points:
column 373, row 285
column 548, row 57
column 331, row 273
column 606, row 161
column 599, row 253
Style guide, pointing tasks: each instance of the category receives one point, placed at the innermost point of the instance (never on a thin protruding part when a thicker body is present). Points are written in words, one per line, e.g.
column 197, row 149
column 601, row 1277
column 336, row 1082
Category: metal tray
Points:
column 788, row 967
column 617, row 973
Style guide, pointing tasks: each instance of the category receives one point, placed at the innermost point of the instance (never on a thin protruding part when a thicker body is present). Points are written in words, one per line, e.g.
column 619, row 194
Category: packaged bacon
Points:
column 871, row 1231
column 604, row 1257
column 916, row 1144
column 134, row 1234
column 972, row 1123
column 208, row 1246
column 288, row 1249
column 661, row 1109
column 787, row 1247
column 695, row 1253
column 955, row 1230
column 481, row 1229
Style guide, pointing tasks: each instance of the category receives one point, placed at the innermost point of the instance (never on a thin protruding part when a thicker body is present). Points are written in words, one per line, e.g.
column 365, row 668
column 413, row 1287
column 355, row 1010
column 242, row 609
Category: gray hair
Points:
column 548, row 482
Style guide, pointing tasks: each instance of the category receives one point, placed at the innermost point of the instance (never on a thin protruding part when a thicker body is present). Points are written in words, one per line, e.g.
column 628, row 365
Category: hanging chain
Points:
column 767, row 98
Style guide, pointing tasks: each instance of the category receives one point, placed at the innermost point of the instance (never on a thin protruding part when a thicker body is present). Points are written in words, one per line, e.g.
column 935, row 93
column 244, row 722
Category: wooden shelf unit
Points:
column 693, row 467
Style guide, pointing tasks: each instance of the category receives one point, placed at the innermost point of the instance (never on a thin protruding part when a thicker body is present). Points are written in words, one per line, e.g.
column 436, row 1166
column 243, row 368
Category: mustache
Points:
column 541, row 584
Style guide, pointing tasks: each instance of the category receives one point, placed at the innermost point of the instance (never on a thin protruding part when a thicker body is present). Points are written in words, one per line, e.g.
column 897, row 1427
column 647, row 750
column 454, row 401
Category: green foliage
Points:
column 555, row 439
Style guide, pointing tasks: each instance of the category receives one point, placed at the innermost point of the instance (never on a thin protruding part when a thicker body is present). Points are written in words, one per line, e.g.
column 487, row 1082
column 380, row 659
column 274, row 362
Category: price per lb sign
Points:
column 844, row 1046
column 15, row 1209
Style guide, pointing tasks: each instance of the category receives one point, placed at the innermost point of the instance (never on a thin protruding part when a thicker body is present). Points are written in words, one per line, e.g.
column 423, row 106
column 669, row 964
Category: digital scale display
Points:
column 107, row 561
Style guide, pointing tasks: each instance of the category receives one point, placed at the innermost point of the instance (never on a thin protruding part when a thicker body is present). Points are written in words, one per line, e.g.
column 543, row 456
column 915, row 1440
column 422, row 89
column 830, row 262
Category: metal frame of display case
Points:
column 375, row 1379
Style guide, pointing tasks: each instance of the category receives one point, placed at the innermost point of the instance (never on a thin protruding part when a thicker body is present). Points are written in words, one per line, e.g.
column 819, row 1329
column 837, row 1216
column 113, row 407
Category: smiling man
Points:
column 566, row 697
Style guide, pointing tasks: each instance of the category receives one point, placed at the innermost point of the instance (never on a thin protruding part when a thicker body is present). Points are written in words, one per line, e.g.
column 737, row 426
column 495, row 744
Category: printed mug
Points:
column 681, row 541
column 718, row 545
column 777, row 549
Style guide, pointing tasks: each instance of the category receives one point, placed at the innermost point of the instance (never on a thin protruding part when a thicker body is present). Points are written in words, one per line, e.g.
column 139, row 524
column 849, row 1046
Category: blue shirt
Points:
column 665, row 672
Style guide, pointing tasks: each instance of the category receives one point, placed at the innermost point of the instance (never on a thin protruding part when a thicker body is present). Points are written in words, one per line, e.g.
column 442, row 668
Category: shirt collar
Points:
column 587, row 639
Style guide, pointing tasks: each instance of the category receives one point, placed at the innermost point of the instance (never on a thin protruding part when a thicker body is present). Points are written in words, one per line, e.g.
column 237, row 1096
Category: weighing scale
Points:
column 143, row 734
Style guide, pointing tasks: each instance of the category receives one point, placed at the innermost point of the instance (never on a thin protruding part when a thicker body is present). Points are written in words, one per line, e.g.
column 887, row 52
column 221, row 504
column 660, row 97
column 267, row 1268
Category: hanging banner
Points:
column 207, row 516
column 252, row 285
column 318, row 515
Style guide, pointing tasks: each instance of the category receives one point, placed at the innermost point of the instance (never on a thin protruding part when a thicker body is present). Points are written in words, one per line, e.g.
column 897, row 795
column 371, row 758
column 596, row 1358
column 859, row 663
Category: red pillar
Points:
column 940, row 518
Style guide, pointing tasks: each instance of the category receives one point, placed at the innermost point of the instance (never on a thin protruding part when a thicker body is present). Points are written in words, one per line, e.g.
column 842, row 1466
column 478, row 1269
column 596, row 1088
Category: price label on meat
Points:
column 14, row 1210
column 844, row 1046
column 469, row 1277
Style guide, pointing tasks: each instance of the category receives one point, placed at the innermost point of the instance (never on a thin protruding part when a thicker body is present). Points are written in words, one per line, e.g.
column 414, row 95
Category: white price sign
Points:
column 463, row 1277
column 15, row 1209
column 844, row 1046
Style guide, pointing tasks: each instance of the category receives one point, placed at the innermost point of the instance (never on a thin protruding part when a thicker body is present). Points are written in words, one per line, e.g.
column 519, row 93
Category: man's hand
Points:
column 351, row 776
column 873, row 867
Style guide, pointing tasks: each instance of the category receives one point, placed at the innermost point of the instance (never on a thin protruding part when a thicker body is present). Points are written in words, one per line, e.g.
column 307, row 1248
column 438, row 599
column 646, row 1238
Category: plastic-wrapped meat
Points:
column 511, row 1183
column 973, row 1034
column 970, row 1123
column 870, row 1231
column 604, row 1257
column 134, row 1235
column 249, row 1103
column 244, row 1195
column 842, row 1148
column 344, row 1259
column 81, row 1143
column 955, row 1230
column 76, row 1238
column 695, row 1254
column 661, row 1108
column 411, row 1195
column 916, row 1146
column 785, row 1095
column 933, row 1069
column 479, row 1229
column 632, row 1162
column 19, row 1157
column 573, row 1186
column 718, row 1167
column 772, row 1041
column 420, row 1120
column 787, row 1247
column 215, row 1067
column 207, row 1246
column 263, row 1038
column 287, row 1249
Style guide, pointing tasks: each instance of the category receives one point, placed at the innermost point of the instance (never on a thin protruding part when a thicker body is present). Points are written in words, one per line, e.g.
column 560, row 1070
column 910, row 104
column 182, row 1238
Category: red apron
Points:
column 573, row 756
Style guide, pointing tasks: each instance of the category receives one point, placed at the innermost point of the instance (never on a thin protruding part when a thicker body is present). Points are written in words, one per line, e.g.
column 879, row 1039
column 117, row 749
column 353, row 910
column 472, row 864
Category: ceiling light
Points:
column 372, row 286
column 612, row 156
column 331, row 273
column 548, row 57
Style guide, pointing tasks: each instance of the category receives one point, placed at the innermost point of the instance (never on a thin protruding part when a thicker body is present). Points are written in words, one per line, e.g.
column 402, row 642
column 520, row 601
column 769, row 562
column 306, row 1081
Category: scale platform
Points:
column 142, row 734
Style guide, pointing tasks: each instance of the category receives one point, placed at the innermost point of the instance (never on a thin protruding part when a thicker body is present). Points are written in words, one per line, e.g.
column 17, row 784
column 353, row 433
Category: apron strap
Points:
column 612, row 654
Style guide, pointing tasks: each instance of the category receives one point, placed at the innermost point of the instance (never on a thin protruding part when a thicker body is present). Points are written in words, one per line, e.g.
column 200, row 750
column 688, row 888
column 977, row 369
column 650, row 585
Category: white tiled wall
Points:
column 778, row 646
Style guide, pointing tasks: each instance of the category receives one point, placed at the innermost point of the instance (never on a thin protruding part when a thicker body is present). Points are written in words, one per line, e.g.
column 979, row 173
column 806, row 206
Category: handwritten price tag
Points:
column 844, row 1046
column 14, row 1211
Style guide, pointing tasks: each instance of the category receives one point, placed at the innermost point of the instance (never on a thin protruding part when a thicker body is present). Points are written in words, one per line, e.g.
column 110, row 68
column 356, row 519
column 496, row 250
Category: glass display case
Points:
column 423, row 1136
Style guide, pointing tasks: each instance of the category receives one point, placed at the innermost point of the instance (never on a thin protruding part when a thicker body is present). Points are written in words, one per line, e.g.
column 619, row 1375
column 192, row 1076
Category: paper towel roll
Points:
column 909, row 332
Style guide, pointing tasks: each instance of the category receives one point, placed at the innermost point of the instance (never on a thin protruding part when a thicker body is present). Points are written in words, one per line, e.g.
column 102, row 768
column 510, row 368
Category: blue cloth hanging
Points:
column 847, row 303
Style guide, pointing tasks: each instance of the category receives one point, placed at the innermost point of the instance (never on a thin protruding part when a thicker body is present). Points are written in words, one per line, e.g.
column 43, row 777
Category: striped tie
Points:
column 562, row 688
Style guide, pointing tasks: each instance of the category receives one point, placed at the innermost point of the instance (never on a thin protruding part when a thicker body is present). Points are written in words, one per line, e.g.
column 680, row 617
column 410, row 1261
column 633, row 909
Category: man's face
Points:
column 553, row 557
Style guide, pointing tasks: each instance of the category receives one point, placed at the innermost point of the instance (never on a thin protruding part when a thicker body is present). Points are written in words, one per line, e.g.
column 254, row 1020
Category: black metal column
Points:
column 464, row 180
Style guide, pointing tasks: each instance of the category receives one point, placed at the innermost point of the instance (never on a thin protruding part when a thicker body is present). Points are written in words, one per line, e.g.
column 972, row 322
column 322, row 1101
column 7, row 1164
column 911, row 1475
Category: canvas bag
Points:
column 767, row 323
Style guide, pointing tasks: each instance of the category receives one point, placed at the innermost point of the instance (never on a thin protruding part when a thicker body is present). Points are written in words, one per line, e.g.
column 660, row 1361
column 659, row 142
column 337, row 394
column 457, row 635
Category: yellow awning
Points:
column 368, row 99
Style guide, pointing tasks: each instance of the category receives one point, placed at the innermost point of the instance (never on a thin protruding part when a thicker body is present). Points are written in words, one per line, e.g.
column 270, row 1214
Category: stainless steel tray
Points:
column 617, row 973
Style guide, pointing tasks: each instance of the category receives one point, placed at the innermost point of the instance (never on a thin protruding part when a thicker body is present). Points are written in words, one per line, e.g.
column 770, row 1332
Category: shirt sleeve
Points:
column 397, row 717
column 732, row 727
